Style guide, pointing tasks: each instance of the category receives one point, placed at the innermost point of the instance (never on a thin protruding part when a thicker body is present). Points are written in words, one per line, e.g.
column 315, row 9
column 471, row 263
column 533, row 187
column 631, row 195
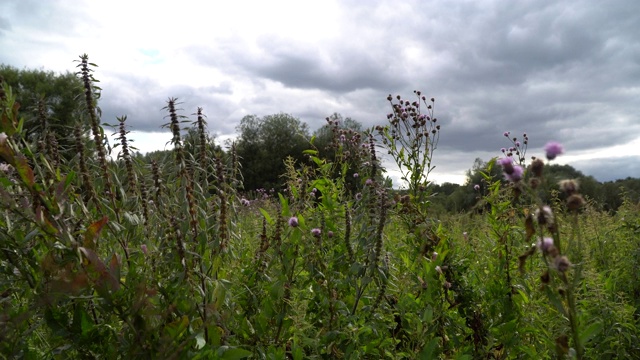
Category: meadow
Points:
column 171, row 258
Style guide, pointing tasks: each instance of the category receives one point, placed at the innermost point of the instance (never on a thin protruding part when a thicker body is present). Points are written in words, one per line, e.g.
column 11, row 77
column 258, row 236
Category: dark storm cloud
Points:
column 562, row 71
column 342, row 73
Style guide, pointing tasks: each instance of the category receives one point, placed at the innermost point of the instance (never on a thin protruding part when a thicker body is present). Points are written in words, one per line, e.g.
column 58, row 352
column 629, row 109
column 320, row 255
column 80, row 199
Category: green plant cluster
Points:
column 125, row 258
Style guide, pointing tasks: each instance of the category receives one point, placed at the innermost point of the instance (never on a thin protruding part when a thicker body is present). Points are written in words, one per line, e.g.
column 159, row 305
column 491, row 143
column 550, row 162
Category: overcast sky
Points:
column 567, row 71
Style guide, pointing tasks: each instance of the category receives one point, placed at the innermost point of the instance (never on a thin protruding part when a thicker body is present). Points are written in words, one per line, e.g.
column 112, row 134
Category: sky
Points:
column 566, row 71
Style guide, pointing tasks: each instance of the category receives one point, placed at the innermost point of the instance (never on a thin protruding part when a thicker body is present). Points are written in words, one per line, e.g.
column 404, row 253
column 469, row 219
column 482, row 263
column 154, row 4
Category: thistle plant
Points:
column 411, row 139
column 561, row 278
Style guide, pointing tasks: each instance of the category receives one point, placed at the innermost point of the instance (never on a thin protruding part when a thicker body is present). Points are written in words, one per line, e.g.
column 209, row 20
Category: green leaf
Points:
column 284, row 203
column 266, row 216
column 427, row 351
column 200, row 341
column 591, row 331
column 224, row 352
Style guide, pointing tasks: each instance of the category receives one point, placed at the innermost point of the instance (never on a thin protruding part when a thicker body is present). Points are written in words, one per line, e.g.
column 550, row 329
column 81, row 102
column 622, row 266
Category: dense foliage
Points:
column 166, row 256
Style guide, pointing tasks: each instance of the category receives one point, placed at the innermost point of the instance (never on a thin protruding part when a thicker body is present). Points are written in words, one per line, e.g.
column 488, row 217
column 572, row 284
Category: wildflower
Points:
column 465, row 235
column 316, row 232
column 358, row 196
column 545, row 245
column 569, row 187
column 3, row 138
column 516, row 173
column 330, row 234
column 544, row 215
column 476, row 187
column 434, row 256
column 575, row 202
column 356, row 175
column 245, row 202
column 143, row 247
column 506, row 133
column 507, row 165
column 293, row 221
column 5, row 168
column 369, row 182
column 536, row 167
column 553, row 149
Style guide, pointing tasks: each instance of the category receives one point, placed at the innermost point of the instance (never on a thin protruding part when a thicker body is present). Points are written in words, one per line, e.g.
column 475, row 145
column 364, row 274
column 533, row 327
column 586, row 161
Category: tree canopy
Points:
column 46, row 93
column 264, row 143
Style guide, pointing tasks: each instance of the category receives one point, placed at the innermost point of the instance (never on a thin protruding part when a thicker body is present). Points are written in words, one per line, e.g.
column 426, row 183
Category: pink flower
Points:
column 516, row 175
column 293, row 221
column 316, row 232
column 553, row 149
column 545, row 244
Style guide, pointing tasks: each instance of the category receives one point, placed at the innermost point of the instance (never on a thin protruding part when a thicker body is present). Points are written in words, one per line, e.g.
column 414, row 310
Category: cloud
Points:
column 609, row 169
column 563, row 71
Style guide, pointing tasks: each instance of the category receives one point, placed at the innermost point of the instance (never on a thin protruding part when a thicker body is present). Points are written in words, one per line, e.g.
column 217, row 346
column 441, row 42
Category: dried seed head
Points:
column 575, row 202
column 534, row 182
column 569, row 187
column 536, row 167
column 544, row 215
column 562, row 263
column 545, row 277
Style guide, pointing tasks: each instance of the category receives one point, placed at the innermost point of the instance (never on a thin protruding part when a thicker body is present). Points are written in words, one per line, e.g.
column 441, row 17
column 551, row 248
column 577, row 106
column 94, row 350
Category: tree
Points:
column 347, row 134
column 264, row 144
column 45, row 93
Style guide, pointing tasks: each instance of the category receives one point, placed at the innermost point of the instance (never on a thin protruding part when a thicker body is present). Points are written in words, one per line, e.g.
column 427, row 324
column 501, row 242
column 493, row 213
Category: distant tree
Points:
column 45, row 93
column 263, row 145
column 341, row 132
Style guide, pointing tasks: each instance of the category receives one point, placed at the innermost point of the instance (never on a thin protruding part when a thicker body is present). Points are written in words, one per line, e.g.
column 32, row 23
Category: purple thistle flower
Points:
column 358, row 196
column 544, row 244
column 316, row 232
column 516, row 174
column 368, row 182
column 355, row 175
column 507, row 165
column 293, row 221
column 330, row 234
column 476, row 187
column 506, row 133
column 553, row 149
column 245, row 202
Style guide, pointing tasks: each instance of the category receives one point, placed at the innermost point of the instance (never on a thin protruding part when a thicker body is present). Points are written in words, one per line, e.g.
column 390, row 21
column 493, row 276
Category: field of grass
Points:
column 171, row 259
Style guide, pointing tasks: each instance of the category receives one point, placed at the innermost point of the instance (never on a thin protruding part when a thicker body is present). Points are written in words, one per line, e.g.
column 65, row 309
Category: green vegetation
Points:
column 182, row 254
